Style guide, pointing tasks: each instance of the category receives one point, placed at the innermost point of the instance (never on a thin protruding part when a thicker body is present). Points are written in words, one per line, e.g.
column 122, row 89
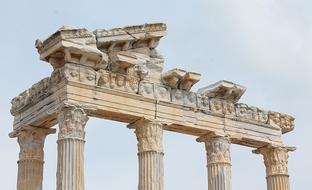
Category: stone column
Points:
column 150, row 154
column 276, row 163
column 31, row 157
column 70, row 162
column 218, row 162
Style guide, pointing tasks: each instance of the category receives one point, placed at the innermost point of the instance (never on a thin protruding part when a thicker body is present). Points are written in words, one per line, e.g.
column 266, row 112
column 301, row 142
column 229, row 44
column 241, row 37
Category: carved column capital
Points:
column 149, row 134
column 72, row 120
column 275, row 159
column 217, row 148
column 31, row 142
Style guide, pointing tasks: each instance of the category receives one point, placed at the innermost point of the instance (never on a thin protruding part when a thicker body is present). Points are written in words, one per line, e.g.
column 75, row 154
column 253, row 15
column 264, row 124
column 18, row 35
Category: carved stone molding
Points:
column 100, row 78
column 217, row 148
column 132, row 83
column 149, row 135
column 162, row 92
column 37, row 92
column 125, row 59
column 184, row 98
column 229, row 109
column 224, row 90
column 189, row 79
column 285, row 122
column 180, row 79
column 129, row 37
column 251, row 113
column 275, row 159
column 72, row 121
column 173, row 77
column 203, row 103
column 73, row 45
column 216, row 106
column 146, row 89
column 31, row 142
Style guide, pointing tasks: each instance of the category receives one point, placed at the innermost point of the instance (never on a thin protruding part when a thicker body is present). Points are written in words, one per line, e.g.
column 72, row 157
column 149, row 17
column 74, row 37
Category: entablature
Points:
column 127, row 83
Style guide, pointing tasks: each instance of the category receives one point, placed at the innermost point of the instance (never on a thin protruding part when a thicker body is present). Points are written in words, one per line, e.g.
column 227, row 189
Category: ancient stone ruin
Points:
column 118, row 75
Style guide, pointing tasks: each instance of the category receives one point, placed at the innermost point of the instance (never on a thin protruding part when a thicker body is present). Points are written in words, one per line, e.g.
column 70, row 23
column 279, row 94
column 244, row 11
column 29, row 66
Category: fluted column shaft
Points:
column 218, row 162
column 31, row 157
column 70, row 162
column 276, row 163
column 150, row 154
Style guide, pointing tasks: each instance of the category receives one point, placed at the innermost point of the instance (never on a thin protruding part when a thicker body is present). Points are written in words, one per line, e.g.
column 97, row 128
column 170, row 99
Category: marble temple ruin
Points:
column 118, row 75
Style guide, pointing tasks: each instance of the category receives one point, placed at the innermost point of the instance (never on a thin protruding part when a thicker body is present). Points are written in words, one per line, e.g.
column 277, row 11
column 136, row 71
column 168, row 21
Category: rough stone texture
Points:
column 223, row 90
column 117, row 74
column 31, row 157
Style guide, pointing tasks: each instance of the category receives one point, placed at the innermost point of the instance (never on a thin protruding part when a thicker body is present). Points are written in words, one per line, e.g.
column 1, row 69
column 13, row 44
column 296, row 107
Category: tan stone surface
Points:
column 276, row 164
column 31, row 157
column 117, row 74
column 149, row 135
column 70, row 161
column 218, row 161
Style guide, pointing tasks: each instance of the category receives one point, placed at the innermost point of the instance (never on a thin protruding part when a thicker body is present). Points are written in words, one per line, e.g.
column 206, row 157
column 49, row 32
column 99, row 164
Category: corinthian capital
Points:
column 275, row 159
column 72, row 121
column 149, row 134
column 217, row 148
column 31, row 142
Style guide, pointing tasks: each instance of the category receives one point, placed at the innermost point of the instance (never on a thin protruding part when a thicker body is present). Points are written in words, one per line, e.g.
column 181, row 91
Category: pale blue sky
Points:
column 264, row 45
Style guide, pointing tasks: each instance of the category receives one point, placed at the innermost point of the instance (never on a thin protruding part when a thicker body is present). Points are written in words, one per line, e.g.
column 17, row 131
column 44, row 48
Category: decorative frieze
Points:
column 203, row 103
column 37, row 92
column 146, row 89
column 101, row 78
column 162, row 92
column 155, row 91
column 132, row 83
column 184, row 98
column 285, row 122
column 246, row 112
column 216, row 106
column 229, row 109
column 190, row 99
column 263, row 116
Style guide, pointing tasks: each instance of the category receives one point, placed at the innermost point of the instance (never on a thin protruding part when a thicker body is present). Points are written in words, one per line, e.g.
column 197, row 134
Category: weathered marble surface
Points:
column 149, row 135
column 276, row 164
column 218, row 162
column 131, row 83
column 117, row 74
